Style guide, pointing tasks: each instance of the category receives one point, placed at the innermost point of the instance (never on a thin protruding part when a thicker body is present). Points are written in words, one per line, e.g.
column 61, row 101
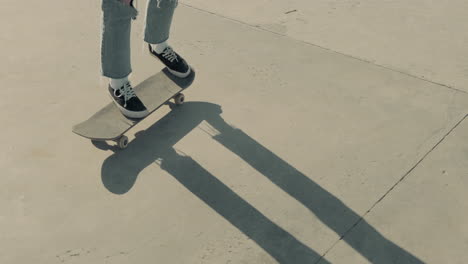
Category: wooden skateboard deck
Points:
column 110, row 124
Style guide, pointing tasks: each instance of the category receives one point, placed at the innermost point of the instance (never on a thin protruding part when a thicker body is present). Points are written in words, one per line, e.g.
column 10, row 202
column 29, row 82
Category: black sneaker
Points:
column 127, row 101
column 173, row 61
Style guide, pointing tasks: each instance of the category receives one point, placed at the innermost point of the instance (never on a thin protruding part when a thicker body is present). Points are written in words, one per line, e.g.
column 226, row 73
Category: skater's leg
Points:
column 115, row 45
column 115, row 56
column 158, row 20
column 158, row 25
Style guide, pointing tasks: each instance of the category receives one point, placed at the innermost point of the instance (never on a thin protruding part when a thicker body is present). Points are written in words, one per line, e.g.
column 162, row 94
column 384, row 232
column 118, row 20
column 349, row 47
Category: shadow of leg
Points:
column 329, row 209
column 273, row 239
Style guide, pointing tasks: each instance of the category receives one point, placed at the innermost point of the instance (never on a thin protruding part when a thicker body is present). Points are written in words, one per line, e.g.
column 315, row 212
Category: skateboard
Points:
column 109, row 124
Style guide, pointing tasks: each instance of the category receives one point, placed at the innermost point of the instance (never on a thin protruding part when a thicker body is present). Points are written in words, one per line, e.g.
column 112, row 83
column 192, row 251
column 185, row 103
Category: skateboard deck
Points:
column 110, row 124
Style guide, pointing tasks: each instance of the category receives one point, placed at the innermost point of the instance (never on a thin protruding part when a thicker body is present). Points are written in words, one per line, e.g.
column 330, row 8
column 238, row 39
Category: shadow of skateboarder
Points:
column 121, row 169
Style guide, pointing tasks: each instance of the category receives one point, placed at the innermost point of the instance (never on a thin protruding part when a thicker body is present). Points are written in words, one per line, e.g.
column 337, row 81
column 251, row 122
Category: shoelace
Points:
column 169, row 54
column 126, row 91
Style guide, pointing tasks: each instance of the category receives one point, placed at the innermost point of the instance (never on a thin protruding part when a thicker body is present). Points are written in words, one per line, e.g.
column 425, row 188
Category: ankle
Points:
column 117, row 83
column 159, row 47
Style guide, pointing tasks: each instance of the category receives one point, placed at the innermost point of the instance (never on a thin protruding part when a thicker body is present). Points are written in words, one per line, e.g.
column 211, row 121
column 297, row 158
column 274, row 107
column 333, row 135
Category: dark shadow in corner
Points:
column 119, row 173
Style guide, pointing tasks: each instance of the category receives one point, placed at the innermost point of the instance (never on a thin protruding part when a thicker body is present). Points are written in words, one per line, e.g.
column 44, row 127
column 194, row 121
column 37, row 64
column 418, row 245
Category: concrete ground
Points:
column 315, row 132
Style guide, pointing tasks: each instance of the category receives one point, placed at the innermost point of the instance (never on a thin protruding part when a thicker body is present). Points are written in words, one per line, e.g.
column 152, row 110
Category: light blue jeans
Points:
column 117, row 18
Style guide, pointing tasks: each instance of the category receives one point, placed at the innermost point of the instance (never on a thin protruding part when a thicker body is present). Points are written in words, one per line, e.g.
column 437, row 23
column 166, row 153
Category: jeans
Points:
column 115, row 44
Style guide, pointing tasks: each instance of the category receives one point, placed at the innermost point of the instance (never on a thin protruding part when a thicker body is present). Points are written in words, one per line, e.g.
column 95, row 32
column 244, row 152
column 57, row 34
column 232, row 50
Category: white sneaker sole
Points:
column 180, row 74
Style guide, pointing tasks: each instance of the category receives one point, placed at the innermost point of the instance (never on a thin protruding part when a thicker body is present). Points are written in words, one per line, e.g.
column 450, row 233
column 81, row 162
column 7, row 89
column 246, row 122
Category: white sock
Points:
column 159, row 48
column 117, row 83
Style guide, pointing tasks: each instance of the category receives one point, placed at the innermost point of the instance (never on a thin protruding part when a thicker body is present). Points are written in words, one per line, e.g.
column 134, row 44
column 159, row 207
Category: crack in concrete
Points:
column 394, row 186
column 330, row 50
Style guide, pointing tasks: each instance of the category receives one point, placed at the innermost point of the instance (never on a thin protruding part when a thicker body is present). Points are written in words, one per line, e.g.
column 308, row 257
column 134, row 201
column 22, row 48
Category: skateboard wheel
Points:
column 179, row 99
column 122, row 142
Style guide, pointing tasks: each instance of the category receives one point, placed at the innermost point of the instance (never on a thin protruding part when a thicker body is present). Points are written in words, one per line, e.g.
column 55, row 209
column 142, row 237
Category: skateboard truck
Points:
column 122, row 141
